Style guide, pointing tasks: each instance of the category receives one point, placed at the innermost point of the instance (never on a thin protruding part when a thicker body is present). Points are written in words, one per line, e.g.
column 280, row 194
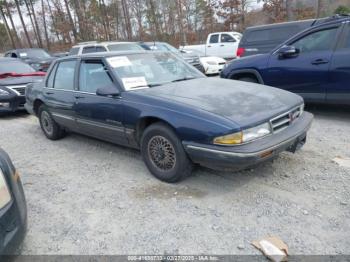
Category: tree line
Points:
column 58, row 24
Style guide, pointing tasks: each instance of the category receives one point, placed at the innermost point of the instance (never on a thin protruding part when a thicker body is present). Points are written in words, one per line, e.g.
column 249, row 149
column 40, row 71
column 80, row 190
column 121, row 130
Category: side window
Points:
column 65, row 75
column 13, row 55
column 100, row 49
column 317, row 41
column 346, row 42
column 226, row 38
column 8, row 55
column 92, row 76
column 51, row 77
column 74, row 51
column 89, row 49
column 214, row 39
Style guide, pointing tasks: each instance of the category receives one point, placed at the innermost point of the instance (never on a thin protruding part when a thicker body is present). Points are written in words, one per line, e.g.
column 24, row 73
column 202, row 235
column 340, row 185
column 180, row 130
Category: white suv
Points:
column 95, row 47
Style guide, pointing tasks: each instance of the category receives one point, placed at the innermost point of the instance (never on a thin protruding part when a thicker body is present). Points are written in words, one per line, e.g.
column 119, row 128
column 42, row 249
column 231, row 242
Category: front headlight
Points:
column 35, row 65
column 244, row 136
column 4, row 93
column 211, row 63
column 5, row 196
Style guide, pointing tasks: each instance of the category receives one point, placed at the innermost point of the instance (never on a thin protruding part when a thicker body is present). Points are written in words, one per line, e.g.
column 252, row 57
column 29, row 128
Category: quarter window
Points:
column 92, row 76
column 89, row 49
column 51, row 77
column 74, row 51
column 214, row 39
column 317, row 41
column 65, row 75
column 225, row 38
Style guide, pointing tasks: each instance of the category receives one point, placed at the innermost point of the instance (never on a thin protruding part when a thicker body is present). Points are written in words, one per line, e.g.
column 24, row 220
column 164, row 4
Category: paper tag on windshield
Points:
column 23, row 54
column 119, row 61
column 134, row 83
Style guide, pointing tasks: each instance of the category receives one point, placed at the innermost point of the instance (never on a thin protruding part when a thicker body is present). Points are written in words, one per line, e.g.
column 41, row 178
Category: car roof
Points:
column 102, row 43
column 310, row 21
column 106, row 54
column 9, row 59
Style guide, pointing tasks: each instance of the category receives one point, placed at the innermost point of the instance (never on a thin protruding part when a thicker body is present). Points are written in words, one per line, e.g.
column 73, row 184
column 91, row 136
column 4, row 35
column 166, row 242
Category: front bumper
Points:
column 12, row 103
column 244, row 156
column 213, row 69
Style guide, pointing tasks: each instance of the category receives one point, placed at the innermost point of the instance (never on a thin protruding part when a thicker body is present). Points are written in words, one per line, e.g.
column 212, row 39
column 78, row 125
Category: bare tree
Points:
column 23, row 24
column 8, row 31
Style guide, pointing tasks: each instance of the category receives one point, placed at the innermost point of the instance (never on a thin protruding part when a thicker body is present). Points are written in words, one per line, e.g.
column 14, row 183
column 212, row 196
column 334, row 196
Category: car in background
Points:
column 60, row 54
column 96, row 47
column 158, row 103
column 220, row 44
column 191, row 58
column 14, row 77
column 13, row 208
column 37, row 58
column 314, row 64
column 212, row 65
column 264, row 38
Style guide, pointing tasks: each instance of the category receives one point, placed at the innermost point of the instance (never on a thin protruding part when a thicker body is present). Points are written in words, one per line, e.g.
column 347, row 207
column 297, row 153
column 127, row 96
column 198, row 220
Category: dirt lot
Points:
column 89, row 197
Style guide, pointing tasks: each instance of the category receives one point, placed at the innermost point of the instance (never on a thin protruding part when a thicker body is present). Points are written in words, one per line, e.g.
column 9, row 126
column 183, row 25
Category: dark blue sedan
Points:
column 156, row 102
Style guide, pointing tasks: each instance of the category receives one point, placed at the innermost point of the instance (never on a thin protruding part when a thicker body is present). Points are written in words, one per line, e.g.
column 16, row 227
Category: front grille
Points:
column 20, row 90
column 283, row 121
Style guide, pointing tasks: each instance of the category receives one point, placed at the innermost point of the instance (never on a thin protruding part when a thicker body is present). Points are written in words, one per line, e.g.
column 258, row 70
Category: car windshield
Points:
column 151, row 69
column 124, row 47
column 15, row 67
column 164, row 47
column 33, row 53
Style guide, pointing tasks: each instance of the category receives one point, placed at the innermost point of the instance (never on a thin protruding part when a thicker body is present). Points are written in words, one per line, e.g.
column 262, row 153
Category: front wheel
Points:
column 50, row 128
column 163, row 154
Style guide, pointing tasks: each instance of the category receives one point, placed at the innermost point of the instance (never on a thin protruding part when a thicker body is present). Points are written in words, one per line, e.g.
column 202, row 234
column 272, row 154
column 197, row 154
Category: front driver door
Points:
column 98, row 116
column 228, row 46
column 306, row 73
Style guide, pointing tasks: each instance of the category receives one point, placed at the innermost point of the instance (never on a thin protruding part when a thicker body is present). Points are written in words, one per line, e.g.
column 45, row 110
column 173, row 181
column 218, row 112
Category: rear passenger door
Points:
column 306, row 73
column 338, row 91
column 59, row 93
column 98, row 116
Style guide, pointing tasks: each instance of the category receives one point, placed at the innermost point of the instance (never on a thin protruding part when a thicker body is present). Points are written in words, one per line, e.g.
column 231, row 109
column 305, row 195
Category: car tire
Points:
column 48, row 125
column 248, row 79
column 164, row 155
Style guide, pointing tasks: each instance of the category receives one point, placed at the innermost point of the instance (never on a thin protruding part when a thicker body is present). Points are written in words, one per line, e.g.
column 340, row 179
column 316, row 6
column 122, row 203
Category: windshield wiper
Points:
column 183, row 79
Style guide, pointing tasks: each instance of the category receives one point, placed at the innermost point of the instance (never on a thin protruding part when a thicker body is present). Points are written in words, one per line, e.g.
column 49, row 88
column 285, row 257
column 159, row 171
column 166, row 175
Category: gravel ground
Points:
column 89, row 197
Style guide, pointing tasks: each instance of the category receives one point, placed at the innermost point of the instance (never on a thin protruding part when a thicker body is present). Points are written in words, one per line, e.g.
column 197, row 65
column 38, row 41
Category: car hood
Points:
column 246, row 104
column 20, row 80
column 39, row 61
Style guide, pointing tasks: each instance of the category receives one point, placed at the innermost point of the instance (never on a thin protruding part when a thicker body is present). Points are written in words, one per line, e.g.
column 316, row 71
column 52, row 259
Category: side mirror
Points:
column 107, row 91
column 288, row 51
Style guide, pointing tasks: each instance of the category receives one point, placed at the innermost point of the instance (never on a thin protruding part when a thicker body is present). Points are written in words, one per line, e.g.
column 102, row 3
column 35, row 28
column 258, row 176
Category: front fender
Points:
column 189, row 124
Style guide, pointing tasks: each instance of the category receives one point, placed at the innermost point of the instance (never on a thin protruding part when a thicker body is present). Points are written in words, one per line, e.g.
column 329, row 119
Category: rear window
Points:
column 124, row 47
column 272, row 34
column 74, row 51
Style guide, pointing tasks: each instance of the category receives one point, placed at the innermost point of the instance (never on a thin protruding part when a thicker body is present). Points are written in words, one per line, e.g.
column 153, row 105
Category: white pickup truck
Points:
column 220, row 44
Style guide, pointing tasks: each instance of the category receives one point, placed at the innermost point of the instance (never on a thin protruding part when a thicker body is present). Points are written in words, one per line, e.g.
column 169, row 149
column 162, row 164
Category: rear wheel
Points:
column 163, row 154
column 249, row 79
column 50, row 128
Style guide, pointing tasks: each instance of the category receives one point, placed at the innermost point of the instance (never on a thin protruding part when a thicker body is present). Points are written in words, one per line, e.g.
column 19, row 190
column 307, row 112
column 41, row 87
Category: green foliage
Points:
column 342, row 10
